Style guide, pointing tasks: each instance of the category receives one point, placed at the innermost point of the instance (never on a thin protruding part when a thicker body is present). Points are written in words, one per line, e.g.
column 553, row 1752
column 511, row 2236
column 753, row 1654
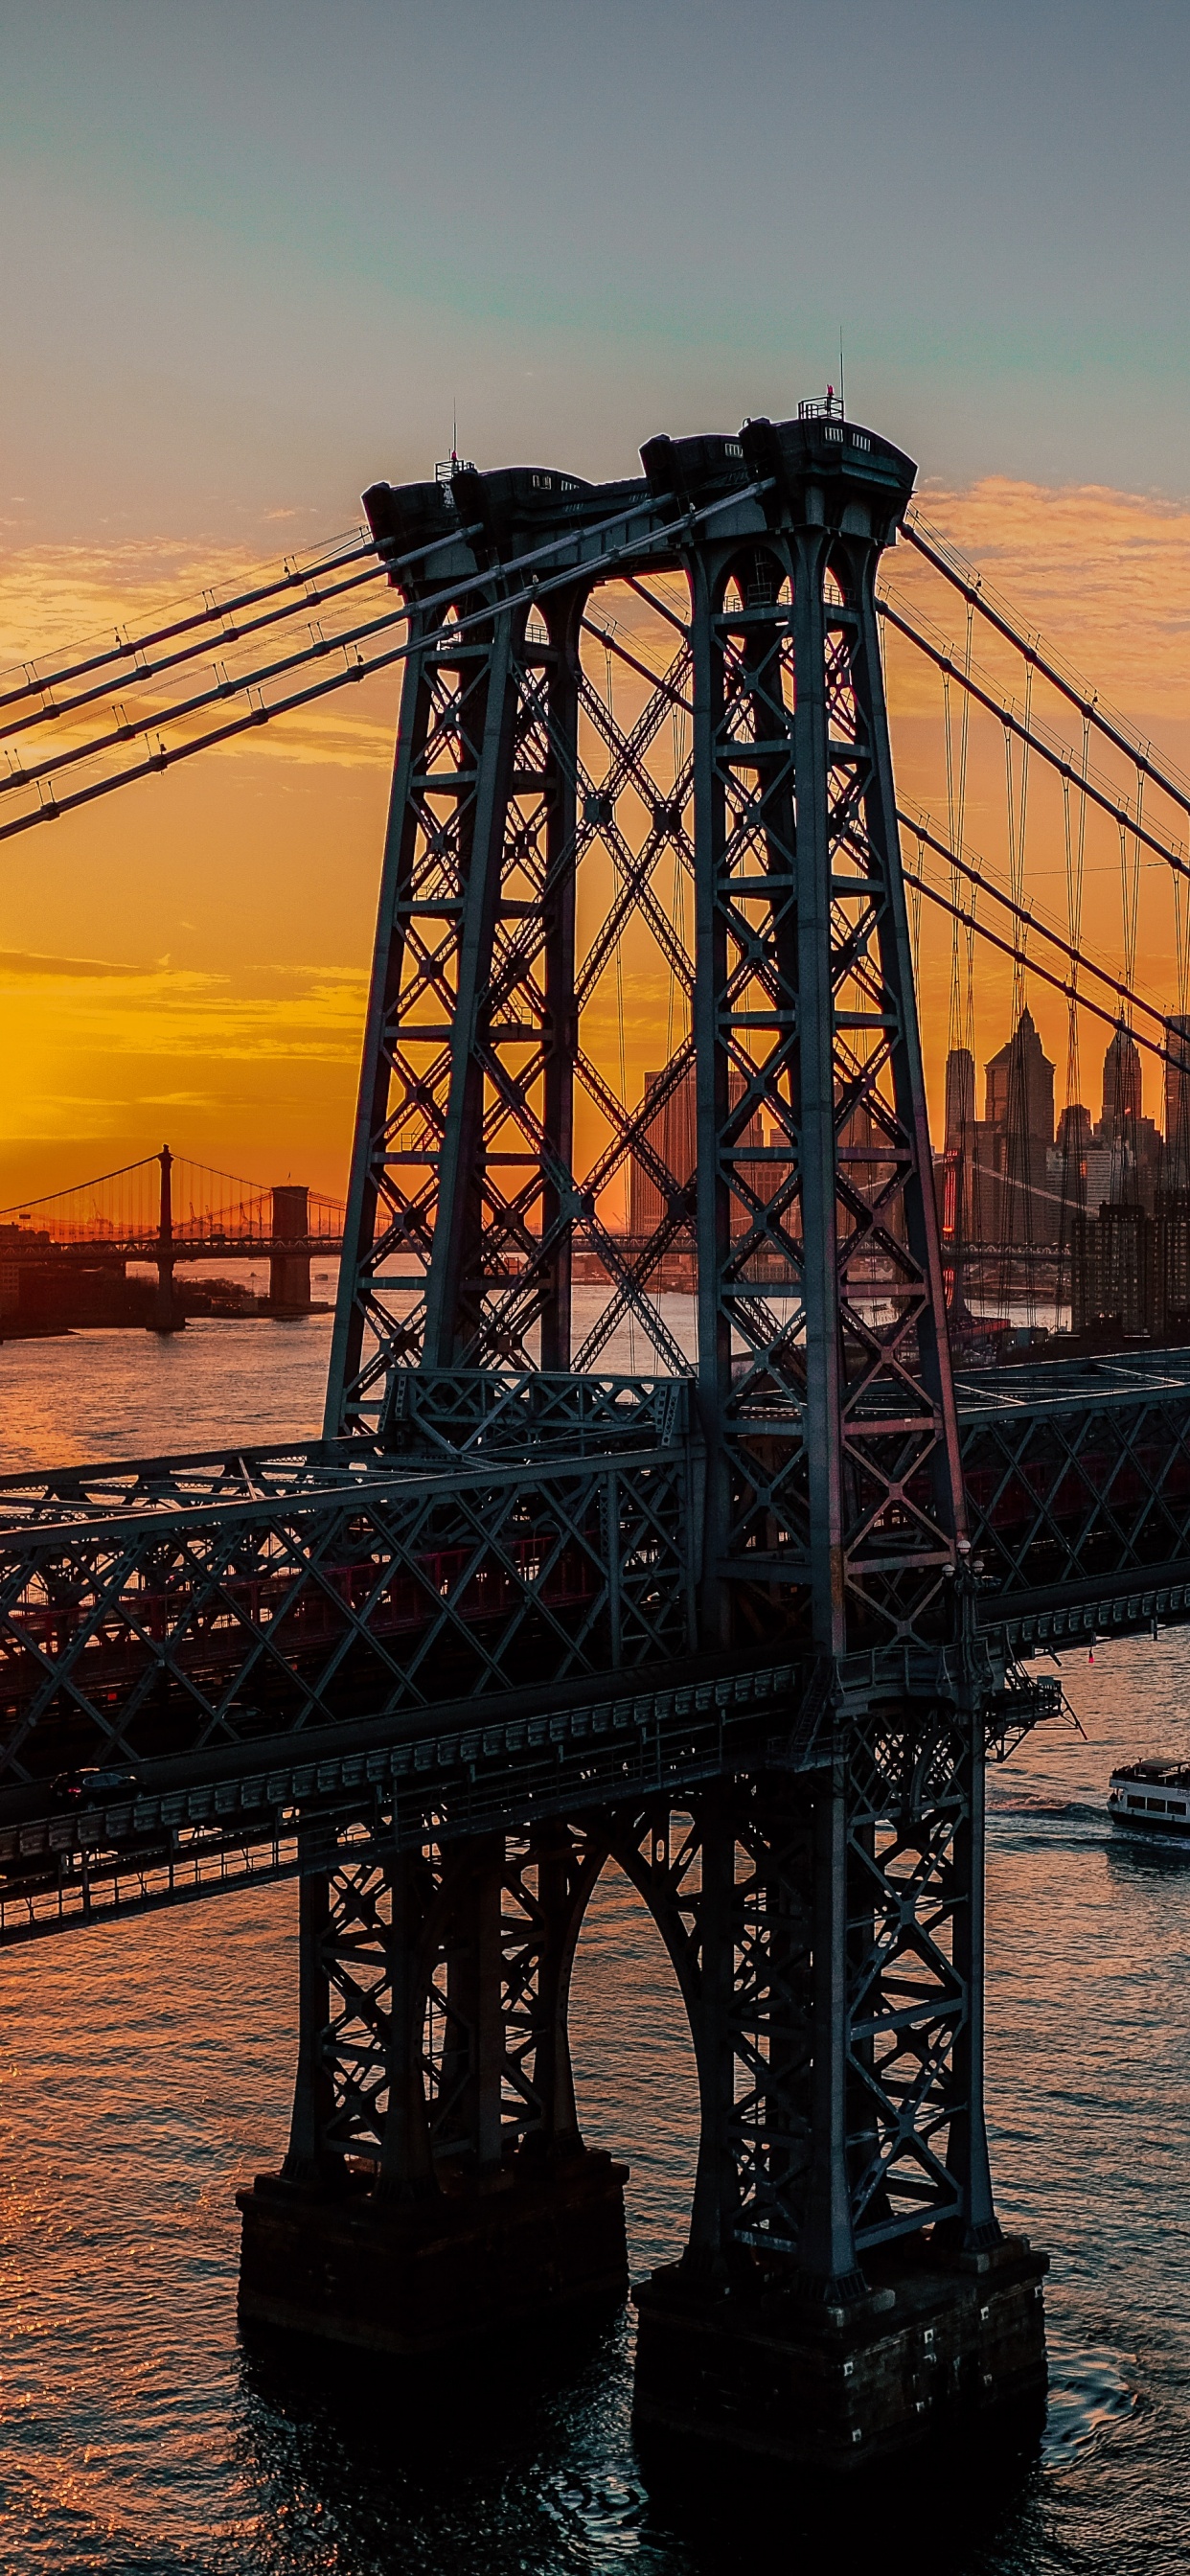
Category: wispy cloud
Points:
column 171, row 1012
column 1102, row 576
column 27, row 961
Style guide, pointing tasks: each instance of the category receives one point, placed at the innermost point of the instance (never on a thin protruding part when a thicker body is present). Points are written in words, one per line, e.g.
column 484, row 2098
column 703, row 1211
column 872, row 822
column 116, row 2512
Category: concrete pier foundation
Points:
column 936, row 2343
column 416, row 2276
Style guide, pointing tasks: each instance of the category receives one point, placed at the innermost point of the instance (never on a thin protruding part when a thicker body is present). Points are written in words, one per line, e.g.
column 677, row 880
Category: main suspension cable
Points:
column 1087, row 1002
column 963, row 577
column 533, row 587
column 294, row 607
column 343, row 551
column 1026, row 919
column 1057, row 755
column 224, row 686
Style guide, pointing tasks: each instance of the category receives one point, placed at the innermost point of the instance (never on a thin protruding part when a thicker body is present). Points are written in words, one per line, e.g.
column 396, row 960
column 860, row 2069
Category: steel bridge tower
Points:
column 823, row 1909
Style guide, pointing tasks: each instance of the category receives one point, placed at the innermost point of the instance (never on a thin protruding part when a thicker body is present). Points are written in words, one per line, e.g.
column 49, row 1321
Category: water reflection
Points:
column 527, row 2461
column 516, row 2459
column 145, row 2070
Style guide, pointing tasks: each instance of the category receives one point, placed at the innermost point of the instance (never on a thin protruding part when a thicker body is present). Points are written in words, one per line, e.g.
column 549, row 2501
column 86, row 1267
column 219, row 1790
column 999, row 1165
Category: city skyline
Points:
column 1074, row 1157
column 1121, row 1082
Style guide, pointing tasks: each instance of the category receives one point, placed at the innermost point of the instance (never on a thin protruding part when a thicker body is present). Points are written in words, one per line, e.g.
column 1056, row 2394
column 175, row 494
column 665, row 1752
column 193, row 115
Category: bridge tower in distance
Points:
column 289, row 1270
column 166, row 1315
column 846, row 2285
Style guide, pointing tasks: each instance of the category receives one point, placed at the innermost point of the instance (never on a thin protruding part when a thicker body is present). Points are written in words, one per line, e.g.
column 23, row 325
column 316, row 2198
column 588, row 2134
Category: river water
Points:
column 145, row 2070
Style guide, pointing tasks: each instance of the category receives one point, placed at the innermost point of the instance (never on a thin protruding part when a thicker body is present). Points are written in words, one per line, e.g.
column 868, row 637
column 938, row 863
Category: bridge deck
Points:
column 1077, row 1474
column 503, row 1613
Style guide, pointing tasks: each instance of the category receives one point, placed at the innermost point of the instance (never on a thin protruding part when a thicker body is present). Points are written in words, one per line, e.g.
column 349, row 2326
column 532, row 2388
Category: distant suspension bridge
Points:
column 164, row 1209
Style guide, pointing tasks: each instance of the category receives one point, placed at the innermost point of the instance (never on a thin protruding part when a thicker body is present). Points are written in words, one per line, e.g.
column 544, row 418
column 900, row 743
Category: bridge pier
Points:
column 289, row 1269
column 471, row 2259
column 847, row 2290
column 436, row 2187
column 165, row 1314
column 937, row 2344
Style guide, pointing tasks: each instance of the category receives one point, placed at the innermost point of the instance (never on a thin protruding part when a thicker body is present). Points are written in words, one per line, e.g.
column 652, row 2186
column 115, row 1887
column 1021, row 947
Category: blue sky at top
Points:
column 254, row 253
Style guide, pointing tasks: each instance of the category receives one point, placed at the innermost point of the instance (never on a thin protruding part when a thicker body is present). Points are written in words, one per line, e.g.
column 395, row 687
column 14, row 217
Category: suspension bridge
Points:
column 661, row 1513
column 162, row 1209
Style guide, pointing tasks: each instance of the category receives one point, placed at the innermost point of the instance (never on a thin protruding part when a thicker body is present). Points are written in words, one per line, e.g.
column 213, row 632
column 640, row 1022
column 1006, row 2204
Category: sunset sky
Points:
column 256, row 255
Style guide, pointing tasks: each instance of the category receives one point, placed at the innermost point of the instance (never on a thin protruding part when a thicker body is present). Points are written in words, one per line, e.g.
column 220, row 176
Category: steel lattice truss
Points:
column 731, row 1882
column 1078, row 1481
column 232, row 1604
column 814, row 996
column 442, row 1979
column 350, row 1592
column 909, row 1797
column 781, row 1153
column 505, row 1165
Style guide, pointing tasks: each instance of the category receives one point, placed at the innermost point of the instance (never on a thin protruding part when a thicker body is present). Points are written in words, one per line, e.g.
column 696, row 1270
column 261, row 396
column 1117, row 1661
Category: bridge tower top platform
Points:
column 806, row 471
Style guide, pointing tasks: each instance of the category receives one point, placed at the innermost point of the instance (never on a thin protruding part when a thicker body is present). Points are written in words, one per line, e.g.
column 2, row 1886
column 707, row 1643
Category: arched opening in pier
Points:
column 634, row 2071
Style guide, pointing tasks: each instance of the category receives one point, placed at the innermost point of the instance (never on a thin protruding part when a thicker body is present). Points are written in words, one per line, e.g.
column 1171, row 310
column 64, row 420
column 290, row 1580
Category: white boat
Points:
column 1151, row 1798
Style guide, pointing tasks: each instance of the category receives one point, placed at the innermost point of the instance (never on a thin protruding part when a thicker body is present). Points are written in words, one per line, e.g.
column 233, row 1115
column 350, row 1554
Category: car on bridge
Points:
column 90, row 1787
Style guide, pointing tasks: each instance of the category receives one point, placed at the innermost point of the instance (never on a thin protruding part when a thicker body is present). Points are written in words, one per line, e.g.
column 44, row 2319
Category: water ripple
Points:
column 1090, row 2396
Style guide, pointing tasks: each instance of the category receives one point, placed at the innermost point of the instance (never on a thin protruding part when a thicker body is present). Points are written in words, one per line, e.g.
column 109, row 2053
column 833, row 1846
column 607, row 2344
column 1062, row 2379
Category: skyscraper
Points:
column 1020, row 1085
column 670, row 1133
column 1177, row 1102
column 1121, row 1087
column 1019, row 1097
column 960, row 1096
column 1074, row 1131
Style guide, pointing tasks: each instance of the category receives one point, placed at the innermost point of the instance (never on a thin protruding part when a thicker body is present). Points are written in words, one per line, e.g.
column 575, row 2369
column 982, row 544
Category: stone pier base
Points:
column 759, row 2370
column 410, row 2277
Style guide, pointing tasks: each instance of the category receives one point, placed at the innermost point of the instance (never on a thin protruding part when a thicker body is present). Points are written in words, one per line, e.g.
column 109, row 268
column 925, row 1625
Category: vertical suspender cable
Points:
column 1016, row 1194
